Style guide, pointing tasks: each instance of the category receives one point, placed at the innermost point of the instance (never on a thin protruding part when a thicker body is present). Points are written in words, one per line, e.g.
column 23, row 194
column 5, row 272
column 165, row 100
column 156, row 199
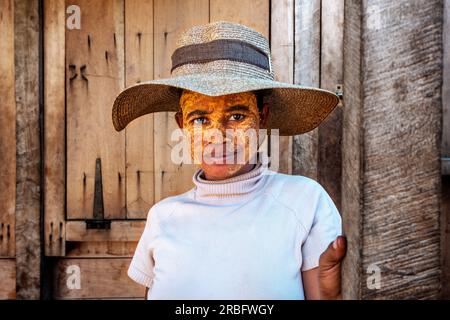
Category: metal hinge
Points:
column 340, row 91
column 98, row 221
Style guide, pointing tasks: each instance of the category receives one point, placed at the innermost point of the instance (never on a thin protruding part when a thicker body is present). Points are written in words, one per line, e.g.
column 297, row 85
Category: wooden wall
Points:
column 64, row 99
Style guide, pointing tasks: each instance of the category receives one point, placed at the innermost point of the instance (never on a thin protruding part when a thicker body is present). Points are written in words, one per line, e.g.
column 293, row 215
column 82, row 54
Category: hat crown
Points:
column 222, row 30
column 225, row 32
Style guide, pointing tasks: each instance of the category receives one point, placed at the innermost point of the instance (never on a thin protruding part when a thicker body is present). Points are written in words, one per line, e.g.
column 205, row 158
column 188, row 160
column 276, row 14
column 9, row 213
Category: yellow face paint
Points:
column 232, row 113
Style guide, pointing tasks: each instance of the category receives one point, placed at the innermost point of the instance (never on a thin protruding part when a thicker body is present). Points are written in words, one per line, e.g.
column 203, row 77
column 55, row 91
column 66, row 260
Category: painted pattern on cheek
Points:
column 191, row 101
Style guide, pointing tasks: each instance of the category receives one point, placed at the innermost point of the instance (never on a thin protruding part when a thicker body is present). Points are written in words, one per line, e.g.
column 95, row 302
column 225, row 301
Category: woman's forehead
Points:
column 189, row 98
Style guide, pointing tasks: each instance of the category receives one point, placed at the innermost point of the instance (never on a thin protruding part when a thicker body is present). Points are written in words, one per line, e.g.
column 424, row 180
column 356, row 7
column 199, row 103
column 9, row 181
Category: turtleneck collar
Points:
column 231, row 190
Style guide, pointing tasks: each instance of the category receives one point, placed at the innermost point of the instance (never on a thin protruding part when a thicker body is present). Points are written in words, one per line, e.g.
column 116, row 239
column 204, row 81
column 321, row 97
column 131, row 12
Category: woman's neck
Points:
column 231, row 190
column 246, row 168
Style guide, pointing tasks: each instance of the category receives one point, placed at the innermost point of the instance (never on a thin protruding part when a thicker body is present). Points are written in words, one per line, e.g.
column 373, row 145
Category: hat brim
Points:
column 294, row 109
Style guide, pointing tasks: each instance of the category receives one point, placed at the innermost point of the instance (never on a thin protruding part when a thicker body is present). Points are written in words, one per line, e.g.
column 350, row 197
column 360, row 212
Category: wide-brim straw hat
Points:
column 222, row 58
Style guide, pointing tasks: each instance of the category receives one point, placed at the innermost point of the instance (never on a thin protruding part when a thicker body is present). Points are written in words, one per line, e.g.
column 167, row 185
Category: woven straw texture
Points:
column 294, row 109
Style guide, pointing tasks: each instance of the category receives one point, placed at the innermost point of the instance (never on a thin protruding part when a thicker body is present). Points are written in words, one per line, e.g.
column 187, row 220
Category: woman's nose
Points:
column 219, row 128
column 219, row 125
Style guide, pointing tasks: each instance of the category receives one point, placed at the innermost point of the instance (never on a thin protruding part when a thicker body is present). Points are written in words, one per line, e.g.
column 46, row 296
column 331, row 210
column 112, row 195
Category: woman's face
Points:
column 218, row 128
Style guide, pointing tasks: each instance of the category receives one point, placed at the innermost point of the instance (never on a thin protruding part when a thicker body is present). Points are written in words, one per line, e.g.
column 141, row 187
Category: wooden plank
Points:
column 402, row 126
column 395, row 168
column 253, row 14
column 120, row 231
column 446, row 84
column 99, row 278
column 352, row 161
column 282, row 39
column 28, row 156
column 7, row 131
column 282, row 49
column 445, row 237
column 95, row 75
column 139, row 134
column 445, row 152
column 306, row 72
column 101, row 249
column 54, row 133
column 330, row 130
column 170, row 19
column 8, row 279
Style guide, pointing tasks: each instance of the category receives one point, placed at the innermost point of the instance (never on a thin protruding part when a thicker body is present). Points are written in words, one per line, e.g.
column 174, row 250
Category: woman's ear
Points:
column 179, row 119
column 264, row 116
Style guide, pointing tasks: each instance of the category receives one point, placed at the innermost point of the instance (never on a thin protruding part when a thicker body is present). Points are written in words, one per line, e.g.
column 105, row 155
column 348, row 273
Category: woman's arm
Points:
column 311, row 284
column 324, row 281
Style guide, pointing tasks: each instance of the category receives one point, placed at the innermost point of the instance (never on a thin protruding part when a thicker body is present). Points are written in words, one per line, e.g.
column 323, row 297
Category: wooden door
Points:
column 119, row 43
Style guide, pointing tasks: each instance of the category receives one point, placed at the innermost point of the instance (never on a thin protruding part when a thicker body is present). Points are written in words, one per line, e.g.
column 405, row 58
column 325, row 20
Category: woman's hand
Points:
column 330, row 269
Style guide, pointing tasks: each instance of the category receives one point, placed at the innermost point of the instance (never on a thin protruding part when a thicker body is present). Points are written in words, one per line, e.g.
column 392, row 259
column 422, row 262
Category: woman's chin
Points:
column 217, row 171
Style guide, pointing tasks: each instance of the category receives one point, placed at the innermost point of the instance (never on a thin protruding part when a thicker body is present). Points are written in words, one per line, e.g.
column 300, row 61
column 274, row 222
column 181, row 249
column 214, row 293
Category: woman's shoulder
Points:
column 289, row 184
column 305, row 197
column 167, row 205
column 300, row 193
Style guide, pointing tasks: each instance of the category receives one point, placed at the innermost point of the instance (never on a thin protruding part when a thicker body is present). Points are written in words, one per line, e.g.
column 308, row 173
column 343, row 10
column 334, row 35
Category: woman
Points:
column 244, row 231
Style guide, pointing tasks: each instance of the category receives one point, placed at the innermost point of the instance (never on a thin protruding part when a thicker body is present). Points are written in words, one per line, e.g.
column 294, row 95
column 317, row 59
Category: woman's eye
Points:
column 237, row 117
column 200, row 120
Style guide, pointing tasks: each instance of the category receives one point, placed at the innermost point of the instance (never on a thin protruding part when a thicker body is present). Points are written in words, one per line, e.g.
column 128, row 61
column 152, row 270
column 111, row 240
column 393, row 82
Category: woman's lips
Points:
column 224, row 157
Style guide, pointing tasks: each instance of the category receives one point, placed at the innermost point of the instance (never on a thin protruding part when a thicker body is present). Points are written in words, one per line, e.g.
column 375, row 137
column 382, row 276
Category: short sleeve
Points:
column 326, row 226
column 141, row 266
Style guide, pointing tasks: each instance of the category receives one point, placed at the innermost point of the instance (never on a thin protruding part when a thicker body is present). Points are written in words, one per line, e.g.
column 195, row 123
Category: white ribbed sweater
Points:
column 247, row 237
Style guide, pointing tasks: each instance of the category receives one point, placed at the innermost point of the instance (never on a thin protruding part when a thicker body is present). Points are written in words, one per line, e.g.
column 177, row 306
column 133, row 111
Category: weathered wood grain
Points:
column 101, row 249
column 445, row 152
column 446, row 83
column 306, row 72
column 392, row 124
column 254, row 14
column 329, row 160
column 352, row 152
column 139, row 134
column 282, row 49
column 120, row 231
column 8, row 279
column 94, row 77
column 111, row 282
column 445, row 237
column 28, row 193
column 54, row 119
column 7, row 131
